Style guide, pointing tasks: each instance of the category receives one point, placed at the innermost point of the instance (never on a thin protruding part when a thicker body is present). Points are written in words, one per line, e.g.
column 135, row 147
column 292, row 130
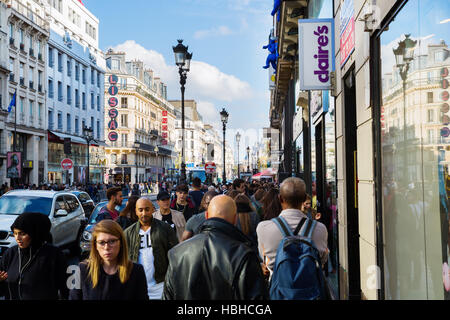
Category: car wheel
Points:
column 75, row 248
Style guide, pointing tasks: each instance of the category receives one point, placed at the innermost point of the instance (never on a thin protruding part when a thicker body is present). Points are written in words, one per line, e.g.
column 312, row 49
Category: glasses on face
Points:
column 111, row 242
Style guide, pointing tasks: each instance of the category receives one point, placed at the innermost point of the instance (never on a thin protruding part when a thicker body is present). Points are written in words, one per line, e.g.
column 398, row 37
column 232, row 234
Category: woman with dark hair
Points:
column 108, row 274
column 271, row 204
column 194, row 223
column 128, row 215
column 247, row 218
column 33, row 269
column 233, row 194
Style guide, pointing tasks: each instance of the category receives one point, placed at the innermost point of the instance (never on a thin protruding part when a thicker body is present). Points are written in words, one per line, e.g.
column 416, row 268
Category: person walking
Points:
column 173, row 218
column 148, row 242
column 229, row 271
column 271, row 205
column 292, row 195
column 108, row 274
column 197, row 193
column 128, row 215
column 183, row 203
column 194, row 223
column 33, row 269
column 109, row 211
column 247, row 219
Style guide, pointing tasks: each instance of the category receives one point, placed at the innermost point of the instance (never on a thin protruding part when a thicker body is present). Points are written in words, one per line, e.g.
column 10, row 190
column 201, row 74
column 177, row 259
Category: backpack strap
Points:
column 283, row 226
column 299, row 226
column 308, row 229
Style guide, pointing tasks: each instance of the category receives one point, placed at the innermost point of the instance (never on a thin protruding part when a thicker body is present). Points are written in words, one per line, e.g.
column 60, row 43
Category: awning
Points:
column 72, row 138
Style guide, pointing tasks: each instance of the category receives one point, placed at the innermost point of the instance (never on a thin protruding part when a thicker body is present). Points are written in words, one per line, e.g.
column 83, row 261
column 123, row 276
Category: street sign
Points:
column 210, row 167
column 66, row 164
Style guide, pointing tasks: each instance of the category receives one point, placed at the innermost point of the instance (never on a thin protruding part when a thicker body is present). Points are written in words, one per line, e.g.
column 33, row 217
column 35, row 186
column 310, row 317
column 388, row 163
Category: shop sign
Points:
column 347, row 30
column 316, row 53
column 113, row 90
column 66, row 164
column 272, row 77
column 210, row 167
column 113, row 102
column 112, row 125
column 113, row 79
column 14, row 165
column 113, row 136
column 164, row 127
column 113, row 113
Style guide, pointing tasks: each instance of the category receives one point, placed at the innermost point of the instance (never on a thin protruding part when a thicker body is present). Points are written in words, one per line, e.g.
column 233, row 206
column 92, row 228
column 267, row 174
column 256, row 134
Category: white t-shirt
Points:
column 146, row 259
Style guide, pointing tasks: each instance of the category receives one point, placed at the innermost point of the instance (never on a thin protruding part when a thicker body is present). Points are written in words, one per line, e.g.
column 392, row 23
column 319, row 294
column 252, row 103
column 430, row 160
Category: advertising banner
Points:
column 347, row 30
column 14, row 165
column 316, row 53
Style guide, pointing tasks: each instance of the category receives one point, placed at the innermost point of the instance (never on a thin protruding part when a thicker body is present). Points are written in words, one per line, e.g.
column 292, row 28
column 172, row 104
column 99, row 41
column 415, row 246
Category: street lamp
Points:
column 238, row 138
column 88, row 136
column 404, row 54
column 224, row 117
column 137, row 145
column 183, row 61
column 248, row 159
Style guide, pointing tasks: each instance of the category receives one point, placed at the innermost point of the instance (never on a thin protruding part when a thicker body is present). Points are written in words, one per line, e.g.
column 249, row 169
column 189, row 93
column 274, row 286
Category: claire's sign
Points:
column 316, row 53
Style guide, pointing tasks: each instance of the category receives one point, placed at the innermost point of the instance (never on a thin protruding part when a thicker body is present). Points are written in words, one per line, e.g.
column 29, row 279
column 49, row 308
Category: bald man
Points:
column 216, row 264
column 292, row 195
column 148, row 241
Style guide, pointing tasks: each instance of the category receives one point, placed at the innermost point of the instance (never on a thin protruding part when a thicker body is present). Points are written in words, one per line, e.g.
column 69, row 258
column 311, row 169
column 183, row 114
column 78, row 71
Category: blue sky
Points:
column 226, row 38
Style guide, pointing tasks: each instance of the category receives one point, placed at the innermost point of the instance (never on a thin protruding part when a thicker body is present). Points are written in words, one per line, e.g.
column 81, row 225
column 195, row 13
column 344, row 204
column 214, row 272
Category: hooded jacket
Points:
column 220, row 263
column 37, row 272
column 189, row 209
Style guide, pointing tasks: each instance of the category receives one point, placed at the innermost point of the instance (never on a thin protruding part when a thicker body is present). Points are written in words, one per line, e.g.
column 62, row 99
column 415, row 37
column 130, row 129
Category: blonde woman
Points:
column 108, row 274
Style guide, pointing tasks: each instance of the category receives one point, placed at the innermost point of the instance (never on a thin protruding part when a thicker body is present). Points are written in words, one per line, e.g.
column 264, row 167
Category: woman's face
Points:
column 108, row 247
column 307, row 205
column 23, row 239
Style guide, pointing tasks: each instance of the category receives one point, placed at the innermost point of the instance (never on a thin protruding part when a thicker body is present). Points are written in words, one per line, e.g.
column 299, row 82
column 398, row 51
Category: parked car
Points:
column 85, row 241
column 63, row 209
column 86, row 201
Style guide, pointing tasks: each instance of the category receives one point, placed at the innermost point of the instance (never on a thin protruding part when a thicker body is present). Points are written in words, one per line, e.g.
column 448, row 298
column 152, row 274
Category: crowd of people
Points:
column 204, row 242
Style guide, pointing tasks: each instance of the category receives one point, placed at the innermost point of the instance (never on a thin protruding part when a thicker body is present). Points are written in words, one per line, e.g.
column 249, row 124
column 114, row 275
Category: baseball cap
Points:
column 163, row 195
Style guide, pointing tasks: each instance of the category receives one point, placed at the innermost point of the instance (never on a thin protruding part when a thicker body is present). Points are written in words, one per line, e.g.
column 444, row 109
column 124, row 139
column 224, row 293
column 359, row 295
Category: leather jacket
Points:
column 216, row 264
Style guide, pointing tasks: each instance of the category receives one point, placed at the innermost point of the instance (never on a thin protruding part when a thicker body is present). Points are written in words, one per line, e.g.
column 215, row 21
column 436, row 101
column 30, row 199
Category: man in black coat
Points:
column 219, row 261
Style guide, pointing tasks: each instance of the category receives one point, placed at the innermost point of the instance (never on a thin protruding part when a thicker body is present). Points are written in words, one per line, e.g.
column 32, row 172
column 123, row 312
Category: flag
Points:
column 13, row 102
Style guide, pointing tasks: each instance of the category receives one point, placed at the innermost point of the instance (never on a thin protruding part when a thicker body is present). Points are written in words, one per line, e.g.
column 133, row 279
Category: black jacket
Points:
column 216, row 264
column 109, row 287
column 44, row 274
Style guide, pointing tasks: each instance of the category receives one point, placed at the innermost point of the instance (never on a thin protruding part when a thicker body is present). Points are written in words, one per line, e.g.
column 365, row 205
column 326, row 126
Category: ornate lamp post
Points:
column 183, row 61
column 404, row 54
column 88, row 134
column 224, row 117
column 137, row 145
column 238, row 138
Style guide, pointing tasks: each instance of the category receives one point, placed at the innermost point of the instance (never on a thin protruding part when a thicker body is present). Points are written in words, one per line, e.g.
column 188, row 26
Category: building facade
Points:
column 26, row 126
column 140, row 123
column 374, row 149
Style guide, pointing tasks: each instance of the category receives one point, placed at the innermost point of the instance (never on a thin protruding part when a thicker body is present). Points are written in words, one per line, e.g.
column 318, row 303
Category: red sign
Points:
column 164, row 120
column 165, row 135
column 210, row 167
column 164, row 142
column 164, row 128
column 66, row 164
column 164, row 113
column 347, row 41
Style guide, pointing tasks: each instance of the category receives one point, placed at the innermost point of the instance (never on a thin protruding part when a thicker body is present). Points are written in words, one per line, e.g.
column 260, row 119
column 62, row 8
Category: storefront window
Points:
column 415, row 151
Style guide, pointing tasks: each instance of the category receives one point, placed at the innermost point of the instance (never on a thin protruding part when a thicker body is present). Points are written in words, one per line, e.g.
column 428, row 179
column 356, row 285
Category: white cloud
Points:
column 208, row 111
column 205, row 82
column 213, row 32
column 445, row 21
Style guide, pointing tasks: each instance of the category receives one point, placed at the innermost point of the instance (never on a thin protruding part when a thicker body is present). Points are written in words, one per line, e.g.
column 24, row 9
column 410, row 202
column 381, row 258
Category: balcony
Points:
column 22, row 47
column 31, row 85
column 11, row 77
column 11, row 42
column 22, row 81
column 28, row 13
column 69, row 101
column 31, row 52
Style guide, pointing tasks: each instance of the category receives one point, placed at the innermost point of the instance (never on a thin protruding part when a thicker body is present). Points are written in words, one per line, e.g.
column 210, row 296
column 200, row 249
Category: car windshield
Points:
column 17, row 205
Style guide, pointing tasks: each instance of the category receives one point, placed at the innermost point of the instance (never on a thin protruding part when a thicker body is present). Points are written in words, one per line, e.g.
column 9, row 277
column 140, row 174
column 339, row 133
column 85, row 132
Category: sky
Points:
column 226, row 38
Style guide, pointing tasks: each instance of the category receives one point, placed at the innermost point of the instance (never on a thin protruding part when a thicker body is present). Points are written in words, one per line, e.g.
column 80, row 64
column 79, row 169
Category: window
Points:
column 83, row 74
column 429, row 97
column 50, row 119
column 69, row 123
column 124, row 120
column 31, row 109
column 124, row 140
column 98, row 129
column 21, row 37
column 21, row 72
column 60, row 66
column 91, row 31
column 72, row 203
column 50, row 58
column 50, row 89
column 92, row 123
column 60, row 204
column 92, row 101
column 98, row 103
column 115, row 65
column 60, row 121
column 40, row 81
column 40, row 50
column 60, row 94
column 76, row 125
column 124, row 159
column 11, row 31
column 83, row 98
column 11, row 66
column 40, row 111
column 31, row 77
column 77, row 72
column 92, row 76
column 77, row 99
column 124, row 102
column 69, row 95
column 430, row 115
column 69, row 68
column 98, row 79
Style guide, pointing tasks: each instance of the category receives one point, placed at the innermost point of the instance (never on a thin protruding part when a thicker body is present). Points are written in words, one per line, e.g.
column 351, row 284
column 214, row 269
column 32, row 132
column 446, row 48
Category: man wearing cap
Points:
column 174, row 218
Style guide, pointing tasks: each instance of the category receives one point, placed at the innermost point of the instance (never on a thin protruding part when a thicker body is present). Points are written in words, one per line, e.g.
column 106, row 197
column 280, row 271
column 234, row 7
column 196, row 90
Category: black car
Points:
column 86, row 202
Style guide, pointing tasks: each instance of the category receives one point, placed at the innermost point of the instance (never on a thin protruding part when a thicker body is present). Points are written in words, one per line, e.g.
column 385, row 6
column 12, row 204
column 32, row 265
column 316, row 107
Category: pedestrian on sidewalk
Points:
column 173, row 218
column 108, row 274
column 183, row 203
column 109, row 211
column 33, row 269
column 195, row 222
column 230, row 257
column 148, row 241
column 196, row 194
column 128, row 215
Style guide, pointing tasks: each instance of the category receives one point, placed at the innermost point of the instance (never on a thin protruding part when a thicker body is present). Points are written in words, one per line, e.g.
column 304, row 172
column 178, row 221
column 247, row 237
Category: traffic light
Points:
column 67, row 146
